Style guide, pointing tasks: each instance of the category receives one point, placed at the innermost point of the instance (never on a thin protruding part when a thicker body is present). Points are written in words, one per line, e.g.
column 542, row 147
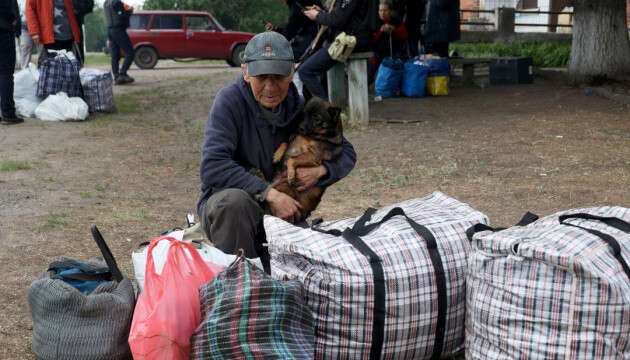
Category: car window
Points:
column 199, row 23
column 167, row 22
column 139, row 21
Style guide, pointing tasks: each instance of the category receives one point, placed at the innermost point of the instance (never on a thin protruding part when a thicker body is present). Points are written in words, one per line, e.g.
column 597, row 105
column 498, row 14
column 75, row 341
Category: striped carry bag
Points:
column 391, row 285
column 557, row 288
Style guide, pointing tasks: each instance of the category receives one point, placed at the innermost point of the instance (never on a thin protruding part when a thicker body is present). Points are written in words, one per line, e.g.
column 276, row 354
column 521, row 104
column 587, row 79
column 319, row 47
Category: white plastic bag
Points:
column 25, row 91
column 208, row 253
column 60, row 107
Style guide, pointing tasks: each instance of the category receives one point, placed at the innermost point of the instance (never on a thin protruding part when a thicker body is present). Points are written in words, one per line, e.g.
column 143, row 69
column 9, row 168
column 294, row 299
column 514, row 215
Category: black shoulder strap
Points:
column 353, row 236
column 611, row 241
column 107, row 254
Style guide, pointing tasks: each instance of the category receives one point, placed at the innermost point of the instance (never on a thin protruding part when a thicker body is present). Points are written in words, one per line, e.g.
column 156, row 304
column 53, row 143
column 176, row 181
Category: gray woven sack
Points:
column 68, row 324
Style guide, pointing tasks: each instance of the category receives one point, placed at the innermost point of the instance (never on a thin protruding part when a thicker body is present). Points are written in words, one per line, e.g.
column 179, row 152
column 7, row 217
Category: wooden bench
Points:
column 351, row 91
column 468, row 65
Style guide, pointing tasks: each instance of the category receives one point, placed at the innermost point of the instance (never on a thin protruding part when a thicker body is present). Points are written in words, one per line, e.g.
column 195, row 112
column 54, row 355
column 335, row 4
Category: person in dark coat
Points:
column 300, row 31
column 350, row 16
column 10, row 28
column 441, row 27
column 248, row 121
column 117, row 15
column 82, row 8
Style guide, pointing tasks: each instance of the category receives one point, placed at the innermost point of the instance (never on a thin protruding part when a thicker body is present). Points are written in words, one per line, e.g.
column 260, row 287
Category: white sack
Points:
column 25, row 91
column 60, row 107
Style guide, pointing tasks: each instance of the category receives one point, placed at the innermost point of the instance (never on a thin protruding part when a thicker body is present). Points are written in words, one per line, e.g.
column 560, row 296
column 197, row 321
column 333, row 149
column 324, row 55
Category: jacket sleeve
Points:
column 32, row 20
column 341, row 14
column 218, row 168
column 341, row 166
column 291, row 29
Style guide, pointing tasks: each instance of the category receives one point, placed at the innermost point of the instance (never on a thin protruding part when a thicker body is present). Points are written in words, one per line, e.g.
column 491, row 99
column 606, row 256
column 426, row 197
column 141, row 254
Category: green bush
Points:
column 547, row 54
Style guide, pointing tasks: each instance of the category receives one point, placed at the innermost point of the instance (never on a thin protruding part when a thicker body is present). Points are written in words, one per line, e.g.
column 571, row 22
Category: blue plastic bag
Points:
column 83, row 277
column 389, row 78
column 414, row 78
column 438, row 67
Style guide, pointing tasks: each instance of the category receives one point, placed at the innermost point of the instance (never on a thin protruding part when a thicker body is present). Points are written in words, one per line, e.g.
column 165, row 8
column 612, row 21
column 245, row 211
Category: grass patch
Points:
column 54, row 219
column 97, row 59
column 547, row 54
column 12, row 165
column 85, row 195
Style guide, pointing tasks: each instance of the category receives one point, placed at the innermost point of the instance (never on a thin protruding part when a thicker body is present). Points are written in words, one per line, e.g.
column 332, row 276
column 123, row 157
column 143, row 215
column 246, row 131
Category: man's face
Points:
column 384, row 12
column 269, row 90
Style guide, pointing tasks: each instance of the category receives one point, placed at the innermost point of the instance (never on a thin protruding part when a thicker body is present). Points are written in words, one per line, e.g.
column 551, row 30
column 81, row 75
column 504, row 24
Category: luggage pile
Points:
column 424, row 278
column 419, row 76
column 61, row 90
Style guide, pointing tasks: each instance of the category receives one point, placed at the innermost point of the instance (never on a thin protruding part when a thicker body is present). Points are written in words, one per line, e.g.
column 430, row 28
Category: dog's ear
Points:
column 334, row 112
column 307, row 94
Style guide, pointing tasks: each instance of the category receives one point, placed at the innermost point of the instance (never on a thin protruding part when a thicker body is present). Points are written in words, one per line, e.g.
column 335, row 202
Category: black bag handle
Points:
column 527, row 219
column 611, row 241
column 615, row 222
column 107, row 254
column 353, row 236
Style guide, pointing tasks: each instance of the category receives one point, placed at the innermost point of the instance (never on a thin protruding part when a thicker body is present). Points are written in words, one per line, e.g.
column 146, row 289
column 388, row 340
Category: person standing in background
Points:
column 300, row 30
column 9, row 29
column 82, row 8
column 117, row 16
column 52, row 24
column 441, row 27
column 26, row 42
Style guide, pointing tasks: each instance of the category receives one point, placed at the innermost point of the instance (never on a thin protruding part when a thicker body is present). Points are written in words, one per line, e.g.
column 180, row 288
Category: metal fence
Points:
column 537, row 16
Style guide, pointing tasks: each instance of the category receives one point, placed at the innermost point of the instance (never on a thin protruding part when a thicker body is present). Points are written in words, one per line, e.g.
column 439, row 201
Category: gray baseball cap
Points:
column 268, row 53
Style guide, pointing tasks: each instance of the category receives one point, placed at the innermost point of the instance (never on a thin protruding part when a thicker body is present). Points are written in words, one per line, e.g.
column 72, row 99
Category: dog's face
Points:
column 320, row 118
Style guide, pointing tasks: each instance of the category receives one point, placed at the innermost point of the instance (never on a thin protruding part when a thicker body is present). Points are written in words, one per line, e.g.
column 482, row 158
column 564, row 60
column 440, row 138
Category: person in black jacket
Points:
column 10, row 28
column 248, row 121
column 300, row 31
column 441, row 27
column 82, row 8
column 117, row 16
column 354, row 17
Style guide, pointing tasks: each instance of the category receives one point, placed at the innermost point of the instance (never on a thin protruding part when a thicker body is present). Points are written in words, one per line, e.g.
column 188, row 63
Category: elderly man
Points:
column 248, row 121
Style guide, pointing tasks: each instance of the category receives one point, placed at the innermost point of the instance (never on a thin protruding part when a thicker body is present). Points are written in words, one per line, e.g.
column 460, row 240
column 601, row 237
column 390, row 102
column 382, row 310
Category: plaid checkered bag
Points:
column 98, row 89
column 393, row 288
column 557, row 288
column 246, row 314
column 59, row 73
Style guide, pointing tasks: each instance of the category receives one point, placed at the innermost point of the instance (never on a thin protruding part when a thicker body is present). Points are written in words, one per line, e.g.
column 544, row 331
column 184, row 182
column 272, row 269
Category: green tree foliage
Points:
column 95, row 30
column 241, row 15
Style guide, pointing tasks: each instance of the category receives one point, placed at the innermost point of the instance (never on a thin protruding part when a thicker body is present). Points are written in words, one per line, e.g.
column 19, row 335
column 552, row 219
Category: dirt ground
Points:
column 504, row 150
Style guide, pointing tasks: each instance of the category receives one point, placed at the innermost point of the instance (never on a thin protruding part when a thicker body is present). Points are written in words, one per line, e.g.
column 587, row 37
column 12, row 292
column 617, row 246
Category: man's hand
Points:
column 36, row 39
column 283, row 206
column 387, row 28
column 307, row 177
column 270, row 27
column 311, row 12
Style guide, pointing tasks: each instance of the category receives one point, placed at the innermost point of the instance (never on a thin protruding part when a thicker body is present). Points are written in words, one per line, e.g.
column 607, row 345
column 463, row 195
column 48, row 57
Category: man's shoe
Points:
column 124, row 79
column 11, row 121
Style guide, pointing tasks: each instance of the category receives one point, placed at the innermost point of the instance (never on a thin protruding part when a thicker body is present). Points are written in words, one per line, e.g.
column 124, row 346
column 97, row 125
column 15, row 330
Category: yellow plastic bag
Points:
column 437, row 85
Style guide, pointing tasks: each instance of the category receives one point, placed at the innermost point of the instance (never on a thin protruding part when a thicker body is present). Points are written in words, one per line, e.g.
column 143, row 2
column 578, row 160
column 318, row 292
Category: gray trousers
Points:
column 26, row 49
column 232, row 220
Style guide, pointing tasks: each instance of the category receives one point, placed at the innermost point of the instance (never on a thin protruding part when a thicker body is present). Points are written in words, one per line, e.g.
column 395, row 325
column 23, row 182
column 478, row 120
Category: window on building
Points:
column 529, row 4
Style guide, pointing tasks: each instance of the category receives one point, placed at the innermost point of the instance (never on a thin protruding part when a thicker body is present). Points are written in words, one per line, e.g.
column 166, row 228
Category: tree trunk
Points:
column 601, row 47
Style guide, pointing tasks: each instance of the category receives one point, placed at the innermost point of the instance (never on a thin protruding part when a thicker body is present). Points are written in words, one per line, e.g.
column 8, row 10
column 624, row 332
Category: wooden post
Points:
column 358, row 98
column 337, row 86
column 468, row 74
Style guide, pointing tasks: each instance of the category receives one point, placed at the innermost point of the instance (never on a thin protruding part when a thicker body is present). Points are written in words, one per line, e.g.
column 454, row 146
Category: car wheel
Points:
column 146, row 57
column 237, row 55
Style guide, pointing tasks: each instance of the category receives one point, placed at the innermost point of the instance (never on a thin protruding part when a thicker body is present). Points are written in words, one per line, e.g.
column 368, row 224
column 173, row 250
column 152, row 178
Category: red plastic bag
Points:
column 167, row 311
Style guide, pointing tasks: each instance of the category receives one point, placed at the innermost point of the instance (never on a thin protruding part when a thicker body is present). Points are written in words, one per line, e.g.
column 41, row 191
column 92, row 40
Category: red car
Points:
column 158, row 34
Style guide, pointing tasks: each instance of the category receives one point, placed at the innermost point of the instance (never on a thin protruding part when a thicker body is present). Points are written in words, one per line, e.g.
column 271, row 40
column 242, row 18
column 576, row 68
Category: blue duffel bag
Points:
column 389, row 77
column 414, row 78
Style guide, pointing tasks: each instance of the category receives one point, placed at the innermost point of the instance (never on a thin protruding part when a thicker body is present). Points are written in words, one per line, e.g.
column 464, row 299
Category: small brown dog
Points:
column 318, row 138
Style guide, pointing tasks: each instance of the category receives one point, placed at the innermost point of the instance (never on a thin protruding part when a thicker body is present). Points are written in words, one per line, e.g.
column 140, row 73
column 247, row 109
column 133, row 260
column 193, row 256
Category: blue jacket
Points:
column 237, row 139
